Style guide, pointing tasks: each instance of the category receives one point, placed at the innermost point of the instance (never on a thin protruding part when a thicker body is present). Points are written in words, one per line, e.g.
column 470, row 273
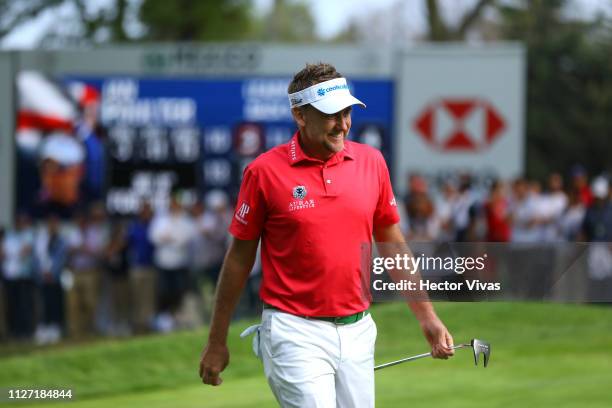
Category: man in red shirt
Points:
column 314, row 203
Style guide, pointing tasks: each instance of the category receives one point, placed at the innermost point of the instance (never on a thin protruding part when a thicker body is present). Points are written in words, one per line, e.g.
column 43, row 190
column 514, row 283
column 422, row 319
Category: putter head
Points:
column 481, row 347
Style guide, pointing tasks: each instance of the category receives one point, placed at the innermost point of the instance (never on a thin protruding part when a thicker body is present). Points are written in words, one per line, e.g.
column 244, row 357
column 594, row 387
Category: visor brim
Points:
column 336, row 103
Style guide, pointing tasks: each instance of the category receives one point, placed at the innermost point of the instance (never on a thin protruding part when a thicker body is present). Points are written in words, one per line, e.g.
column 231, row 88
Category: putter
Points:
column 478, row 347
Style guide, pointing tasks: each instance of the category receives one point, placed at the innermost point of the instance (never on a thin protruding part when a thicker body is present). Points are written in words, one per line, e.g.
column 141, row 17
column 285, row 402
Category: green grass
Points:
column 543, row 355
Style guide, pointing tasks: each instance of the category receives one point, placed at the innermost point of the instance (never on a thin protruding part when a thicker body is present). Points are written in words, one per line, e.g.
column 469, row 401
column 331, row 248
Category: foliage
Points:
column 13, row 14
column 82, row 22
column 569, row 86
column 194, row 20
column 439, row 30
column 223, row 20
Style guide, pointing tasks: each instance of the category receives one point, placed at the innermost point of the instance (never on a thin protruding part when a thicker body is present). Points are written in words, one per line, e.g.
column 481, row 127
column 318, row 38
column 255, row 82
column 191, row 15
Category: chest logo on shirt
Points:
column 301, row 205
column 299, row 192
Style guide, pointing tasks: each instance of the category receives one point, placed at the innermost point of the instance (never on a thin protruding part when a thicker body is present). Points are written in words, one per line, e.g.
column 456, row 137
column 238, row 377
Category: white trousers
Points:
column 314, row 363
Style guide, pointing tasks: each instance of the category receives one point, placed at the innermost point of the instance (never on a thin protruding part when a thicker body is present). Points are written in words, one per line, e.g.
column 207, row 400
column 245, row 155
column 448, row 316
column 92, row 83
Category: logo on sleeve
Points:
column 393, row 203
column 241, row 213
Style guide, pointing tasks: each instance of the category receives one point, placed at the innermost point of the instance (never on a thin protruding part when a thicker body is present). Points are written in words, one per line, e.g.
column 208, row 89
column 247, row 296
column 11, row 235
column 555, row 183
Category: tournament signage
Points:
column 461, row 110
column 192, row 116
column 194, row 135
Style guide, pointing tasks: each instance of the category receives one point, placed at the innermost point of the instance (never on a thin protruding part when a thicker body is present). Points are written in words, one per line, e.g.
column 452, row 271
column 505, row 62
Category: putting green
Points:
column 543, row 355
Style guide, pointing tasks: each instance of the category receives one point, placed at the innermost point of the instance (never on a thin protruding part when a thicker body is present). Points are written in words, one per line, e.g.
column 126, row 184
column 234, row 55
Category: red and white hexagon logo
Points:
column 454, row 124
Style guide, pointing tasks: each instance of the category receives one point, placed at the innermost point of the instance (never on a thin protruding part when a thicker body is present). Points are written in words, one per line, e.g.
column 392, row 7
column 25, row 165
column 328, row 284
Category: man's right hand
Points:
column 214, row 360
column 233, row 276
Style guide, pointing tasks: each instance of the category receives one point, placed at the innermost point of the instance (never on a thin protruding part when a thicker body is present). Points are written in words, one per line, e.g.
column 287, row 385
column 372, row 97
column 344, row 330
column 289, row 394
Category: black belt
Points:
column 339, row 320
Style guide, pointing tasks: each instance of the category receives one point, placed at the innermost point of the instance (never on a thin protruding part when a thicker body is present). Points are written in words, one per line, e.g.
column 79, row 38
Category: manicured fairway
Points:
column 543, row 355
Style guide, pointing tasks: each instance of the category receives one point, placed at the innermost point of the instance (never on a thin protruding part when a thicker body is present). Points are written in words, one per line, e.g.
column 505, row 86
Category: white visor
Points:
column 328, row 97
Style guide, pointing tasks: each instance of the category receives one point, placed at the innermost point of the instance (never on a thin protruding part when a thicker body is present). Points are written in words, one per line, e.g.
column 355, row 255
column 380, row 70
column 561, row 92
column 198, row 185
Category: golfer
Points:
column 313, row 202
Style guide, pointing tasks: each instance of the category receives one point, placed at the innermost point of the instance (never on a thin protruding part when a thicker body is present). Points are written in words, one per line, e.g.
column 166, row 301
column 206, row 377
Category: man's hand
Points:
column 214, row 360
column 234, row 274
column 438, row 337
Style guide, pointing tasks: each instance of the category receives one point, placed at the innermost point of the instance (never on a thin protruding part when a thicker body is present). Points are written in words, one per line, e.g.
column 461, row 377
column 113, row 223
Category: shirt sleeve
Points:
column 249, row 215
column 386, row 208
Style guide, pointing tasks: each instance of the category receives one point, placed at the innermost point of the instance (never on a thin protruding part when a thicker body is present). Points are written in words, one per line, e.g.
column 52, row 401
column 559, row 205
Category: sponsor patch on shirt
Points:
column 301, row 205
column 242, row 212
column 299, row 192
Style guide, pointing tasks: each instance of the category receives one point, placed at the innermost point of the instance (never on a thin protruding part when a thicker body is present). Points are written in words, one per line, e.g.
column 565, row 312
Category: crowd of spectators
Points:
column 94, row 274
column 540, row 233
column 519, row 210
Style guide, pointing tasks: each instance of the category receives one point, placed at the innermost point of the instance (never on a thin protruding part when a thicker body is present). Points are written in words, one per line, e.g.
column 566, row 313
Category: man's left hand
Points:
column 438, row 337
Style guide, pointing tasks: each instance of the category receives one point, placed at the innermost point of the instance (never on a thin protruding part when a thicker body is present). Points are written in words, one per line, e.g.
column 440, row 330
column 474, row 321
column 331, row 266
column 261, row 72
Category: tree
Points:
column 569, row 86
column 74, row 21
column 440, row 30
column 196, row 20
column 83, row 22
column 216, row 20
column 390, row 25
column 13, row 14
column 289, row 21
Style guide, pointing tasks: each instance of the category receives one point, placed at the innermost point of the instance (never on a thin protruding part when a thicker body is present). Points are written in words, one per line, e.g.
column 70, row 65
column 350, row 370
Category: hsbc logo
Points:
column 460, row 125
column 242, row 212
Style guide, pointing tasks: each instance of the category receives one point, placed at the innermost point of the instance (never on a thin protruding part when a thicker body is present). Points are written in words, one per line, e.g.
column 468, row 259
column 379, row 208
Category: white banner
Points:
column 460, row 109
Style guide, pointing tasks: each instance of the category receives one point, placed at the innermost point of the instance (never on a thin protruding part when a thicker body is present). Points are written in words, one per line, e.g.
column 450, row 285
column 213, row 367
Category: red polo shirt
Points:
column 314, row 218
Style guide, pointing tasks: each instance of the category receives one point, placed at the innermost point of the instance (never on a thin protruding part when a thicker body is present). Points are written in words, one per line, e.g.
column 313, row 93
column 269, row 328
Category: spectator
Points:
column 116, row 262
column 580, row 181
column 571, row 285
column 214, row 226
column 523, row 213
column 88, row 241
column 551, row 206
column 415, row 184
column 597, row 228
column 444, row 207
column 497, row 214
column 199, row 254
column 51, row 256
column 528, row 261
column 171, row 233
column 142, row 273
column 463, row 212
column 18, row 269
column 570, row 221
column 422, row 221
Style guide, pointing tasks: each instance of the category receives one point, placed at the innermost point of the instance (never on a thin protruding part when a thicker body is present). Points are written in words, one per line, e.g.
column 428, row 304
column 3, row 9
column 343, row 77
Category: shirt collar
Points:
column 297, row 155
